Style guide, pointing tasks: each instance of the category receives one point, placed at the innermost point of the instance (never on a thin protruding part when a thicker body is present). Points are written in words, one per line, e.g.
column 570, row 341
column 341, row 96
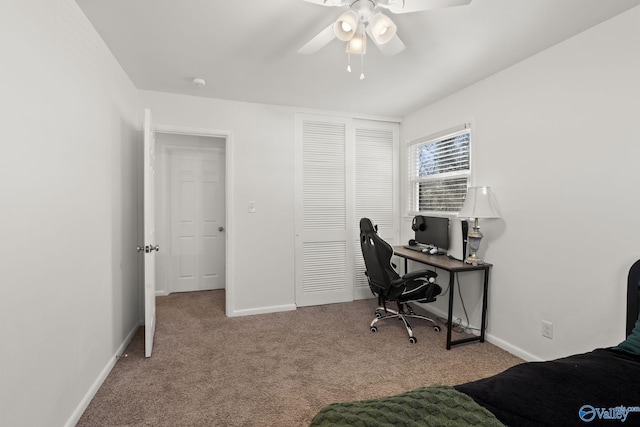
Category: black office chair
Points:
column 388, row 285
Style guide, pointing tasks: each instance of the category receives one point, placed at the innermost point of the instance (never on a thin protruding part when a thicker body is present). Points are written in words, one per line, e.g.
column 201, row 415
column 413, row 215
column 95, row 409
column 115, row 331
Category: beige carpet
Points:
column 274, row 369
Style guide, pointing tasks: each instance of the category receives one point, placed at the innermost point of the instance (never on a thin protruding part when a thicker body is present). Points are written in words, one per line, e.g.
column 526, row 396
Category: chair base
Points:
column 401, row 314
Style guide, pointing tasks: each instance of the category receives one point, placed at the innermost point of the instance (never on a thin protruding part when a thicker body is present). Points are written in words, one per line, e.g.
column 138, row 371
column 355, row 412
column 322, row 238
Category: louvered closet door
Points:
column 376, row 191
column 324, row 222
column 346, row 169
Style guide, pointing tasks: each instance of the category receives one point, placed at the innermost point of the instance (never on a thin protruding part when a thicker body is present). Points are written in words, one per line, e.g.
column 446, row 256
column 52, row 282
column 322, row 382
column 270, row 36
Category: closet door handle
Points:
column 220, row 229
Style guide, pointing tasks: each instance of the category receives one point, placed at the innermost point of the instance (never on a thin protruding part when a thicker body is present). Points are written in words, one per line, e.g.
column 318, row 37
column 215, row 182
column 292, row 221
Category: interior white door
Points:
column 377, row 188
column 197, row 212
column 150, row 246
column 324, row 222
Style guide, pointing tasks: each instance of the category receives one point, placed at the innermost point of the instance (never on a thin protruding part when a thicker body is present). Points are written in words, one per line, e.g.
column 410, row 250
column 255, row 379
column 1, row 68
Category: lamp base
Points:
column 474, row 238
column 473, row 260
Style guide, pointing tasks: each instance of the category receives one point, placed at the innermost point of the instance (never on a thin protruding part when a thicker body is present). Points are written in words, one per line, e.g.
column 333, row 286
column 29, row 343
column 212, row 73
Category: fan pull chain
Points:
column 362, row 66
column 348, row 62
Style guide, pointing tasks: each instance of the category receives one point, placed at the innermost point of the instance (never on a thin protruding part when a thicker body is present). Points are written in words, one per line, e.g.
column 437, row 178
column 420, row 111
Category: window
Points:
column 439, row 168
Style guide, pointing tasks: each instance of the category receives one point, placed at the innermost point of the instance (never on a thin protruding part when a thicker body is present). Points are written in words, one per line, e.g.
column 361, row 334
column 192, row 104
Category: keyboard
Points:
column 425, row 249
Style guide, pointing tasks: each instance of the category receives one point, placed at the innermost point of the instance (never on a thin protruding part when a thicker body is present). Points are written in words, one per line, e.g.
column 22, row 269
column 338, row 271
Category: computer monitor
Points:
column 432, row 231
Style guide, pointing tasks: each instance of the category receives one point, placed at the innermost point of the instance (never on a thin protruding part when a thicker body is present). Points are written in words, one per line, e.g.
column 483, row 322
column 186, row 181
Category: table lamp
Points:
column 479, row 203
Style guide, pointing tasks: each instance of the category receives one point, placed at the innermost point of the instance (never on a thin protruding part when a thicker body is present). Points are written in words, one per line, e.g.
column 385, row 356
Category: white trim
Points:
column 357, row 116
column 262, row 310
column 440, row 135
column 516, row 351
column 84, row 403
column 184, row 130
column 441, row 313
column 229, row 185
column 362, row 292
column 498, row 342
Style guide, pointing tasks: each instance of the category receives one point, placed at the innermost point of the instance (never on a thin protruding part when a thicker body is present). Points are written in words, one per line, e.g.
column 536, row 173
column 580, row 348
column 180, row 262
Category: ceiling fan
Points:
column 364, row 17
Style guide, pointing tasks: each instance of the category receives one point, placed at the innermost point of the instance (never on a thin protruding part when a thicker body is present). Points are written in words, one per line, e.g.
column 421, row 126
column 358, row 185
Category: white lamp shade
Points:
column 382, row 28
column 346, row 25
column 480, row 203
column 358, row 43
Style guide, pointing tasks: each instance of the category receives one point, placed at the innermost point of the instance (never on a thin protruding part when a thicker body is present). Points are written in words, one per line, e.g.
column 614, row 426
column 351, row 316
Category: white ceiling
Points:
column 246, row 49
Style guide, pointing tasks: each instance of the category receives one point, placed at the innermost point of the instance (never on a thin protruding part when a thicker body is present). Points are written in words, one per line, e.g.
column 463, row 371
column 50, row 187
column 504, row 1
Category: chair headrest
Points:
column 367, row 225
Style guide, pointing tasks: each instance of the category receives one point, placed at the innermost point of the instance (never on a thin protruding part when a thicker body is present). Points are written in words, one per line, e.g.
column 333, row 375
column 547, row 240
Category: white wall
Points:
column 260, row 153
column 68, row 268
column 555, row 137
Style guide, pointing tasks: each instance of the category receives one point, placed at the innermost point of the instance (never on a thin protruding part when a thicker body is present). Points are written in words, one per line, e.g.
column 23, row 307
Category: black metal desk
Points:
column 453, row 266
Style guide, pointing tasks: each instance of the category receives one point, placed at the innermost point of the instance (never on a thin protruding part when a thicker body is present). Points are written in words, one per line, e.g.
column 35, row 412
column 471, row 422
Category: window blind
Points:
column 439, row 170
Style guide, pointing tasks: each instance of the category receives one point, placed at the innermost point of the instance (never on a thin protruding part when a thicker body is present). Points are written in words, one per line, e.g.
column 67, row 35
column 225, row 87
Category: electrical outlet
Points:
column 547, row 329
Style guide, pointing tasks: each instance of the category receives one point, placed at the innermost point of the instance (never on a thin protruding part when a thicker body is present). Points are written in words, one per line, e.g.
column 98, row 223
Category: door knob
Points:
column 148, row 249
column 220, row 228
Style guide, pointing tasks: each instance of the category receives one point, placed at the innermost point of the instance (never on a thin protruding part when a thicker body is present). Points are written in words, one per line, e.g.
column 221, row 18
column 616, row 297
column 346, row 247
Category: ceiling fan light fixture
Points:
column 382, row 28
column 346, row 25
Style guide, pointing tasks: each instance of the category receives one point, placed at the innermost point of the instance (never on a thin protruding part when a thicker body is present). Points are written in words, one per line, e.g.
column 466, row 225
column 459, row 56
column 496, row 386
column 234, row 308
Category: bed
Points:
column 601, row 387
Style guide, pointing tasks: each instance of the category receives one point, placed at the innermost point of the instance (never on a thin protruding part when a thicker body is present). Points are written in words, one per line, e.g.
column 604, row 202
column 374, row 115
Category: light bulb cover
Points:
column 358, row 43
column 346, row 25
column 382, row 28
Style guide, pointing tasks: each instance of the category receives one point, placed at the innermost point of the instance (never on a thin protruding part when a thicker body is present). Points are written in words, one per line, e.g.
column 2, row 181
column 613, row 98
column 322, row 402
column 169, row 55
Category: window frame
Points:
column 413, row 178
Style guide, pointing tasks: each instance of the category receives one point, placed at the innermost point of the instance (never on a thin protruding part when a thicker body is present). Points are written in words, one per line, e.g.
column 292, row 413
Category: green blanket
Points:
column 427, row 406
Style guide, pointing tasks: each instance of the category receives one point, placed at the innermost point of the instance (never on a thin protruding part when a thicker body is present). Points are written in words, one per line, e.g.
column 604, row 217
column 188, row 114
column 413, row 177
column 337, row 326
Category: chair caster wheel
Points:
column 378, row 315
column 413, row 340
column 436, row 328
column 374, row 329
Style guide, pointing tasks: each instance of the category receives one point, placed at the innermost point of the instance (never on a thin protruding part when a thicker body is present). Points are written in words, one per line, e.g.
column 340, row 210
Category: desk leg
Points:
column 483, row 323
column 450, row 315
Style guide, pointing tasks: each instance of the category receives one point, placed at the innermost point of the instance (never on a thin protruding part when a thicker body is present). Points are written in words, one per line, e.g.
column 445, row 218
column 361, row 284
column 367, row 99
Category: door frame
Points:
column 228, row 186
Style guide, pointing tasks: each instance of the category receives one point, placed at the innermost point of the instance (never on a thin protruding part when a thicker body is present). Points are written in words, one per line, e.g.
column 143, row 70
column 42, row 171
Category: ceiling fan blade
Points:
column 329, row 2
column 318, row 42
column 409, row 6
column 392, row 47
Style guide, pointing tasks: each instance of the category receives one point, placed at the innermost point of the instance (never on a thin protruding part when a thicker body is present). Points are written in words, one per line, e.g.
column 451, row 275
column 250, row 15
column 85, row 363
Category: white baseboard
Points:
column 262, row 310
column 441, row 313
column 362, row 292
column 75, row 416
column 516, row 351
column 498, row 342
